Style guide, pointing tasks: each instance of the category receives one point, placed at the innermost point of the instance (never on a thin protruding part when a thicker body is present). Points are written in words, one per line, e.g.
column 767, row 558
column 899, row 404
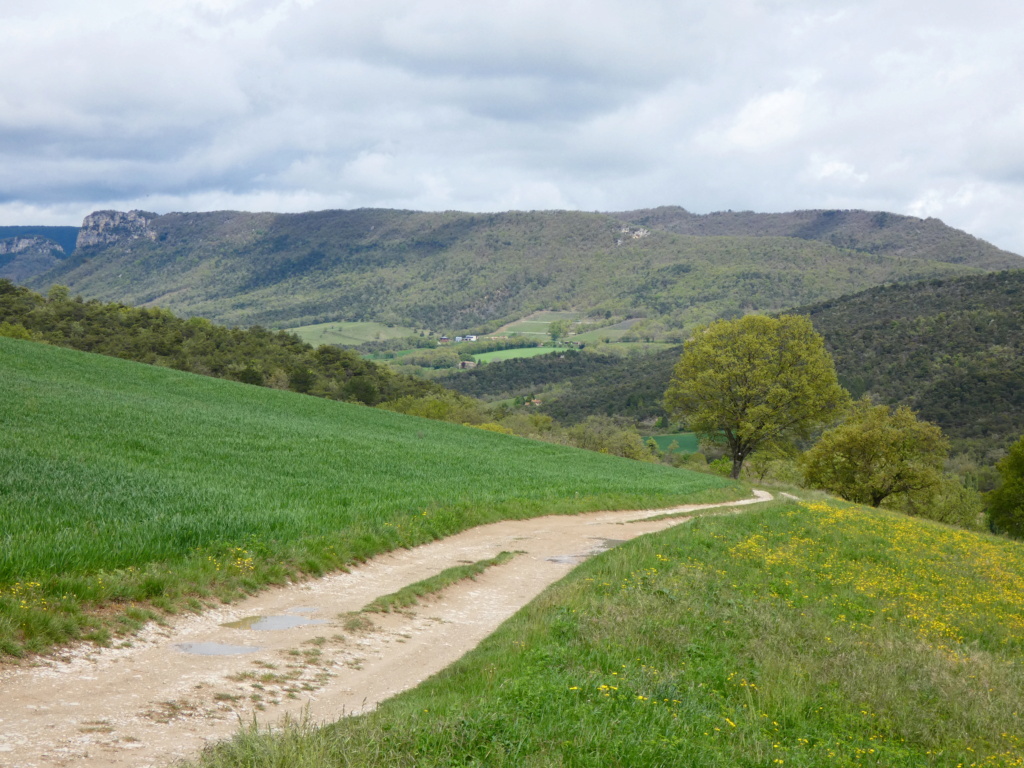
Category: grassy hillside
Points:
column 156, row 336
column 123, row 482
column 451, row 271
column 802, row 635
column 951, row 349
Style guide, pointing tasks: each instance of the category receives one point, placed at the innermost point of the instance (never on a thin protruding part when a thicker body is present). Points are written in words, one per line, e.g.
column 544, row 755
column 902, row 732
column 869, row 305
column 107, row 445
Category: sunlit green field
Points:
column 508, row 354
column 804, row 635
column 124, row 482
column 349, row 333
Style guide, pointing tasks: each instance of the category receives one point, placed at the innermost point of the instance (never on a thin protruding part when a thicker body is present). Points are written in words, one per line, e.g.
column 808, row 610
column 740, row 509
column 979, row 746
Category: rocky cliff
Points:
column 104, row 228
column 24, row 257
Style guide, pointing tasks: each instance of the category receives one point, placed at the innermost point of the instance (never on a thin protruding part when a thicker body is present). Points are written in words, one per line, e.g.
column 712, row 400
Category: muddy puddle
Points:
column 266, row 623
column 216, row 649
column 603, row 545
column 293, row 617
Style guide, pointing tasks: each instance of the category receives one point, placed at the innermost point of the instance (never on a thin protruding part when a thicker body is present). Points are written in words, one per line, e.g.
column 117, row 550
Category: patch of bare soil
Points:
column 174, row 689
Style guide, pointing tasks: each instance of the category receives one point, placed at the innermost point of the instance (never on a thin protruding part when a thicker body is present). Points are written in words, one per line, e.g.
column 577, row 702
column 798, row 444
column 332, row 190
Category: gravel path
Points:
column 176, row 688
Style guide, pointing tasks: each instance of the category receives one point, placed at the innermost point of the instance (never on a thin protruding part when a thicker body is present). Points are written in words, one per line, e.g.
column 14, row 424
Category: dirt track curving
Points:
column 173, row 689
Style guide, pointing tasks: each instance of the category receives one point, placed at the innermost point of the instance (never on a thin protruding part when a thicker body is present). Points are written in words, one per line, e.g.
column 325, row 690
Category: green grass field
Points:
column 508, row 354
column 121, row 482
column 802, row 635
column 349, row 333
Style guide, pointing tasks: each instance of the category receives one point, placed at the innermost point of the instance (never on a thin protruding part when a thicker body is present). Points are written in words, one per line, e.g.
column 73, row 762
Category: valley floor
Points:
column 174, row 689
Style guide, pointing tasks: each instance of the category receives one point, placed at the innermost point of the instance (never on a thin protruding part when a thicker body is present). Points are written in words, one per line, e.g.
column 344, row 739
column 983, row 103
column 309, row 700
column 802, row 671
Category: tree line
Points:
column 158, row 337
column 280, row 360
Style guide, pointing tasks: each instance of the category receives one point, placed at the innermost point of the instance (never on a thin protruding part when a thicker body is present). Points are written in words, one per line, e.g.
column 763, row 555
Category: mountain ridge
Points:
column 455, row 270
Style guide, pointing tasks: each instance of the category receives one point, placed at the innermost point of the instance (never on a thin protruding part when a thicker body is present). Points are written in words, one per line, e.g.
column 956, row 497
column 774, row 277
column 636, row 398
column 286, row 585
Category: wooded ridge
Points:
column 460, row 271
column 952, row 349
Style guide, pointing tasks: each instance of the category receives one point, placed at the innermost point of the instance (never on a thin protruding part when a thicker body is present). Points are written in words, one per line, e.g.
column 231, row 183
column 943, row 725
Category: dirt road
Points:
column 176, row 688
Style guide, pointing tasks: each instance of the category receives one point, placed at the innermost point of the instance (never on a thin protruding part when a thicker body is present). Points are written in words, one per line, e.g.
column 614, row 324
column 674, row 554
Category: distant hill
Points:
column 461, row 271
column 952, row 349
column 23, row 256
column 65, row 237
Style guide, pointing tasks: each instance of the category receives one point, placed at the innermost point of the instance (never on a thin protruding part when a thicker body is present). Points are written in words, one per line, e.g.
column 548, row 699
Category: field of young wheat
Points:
column 122, row 483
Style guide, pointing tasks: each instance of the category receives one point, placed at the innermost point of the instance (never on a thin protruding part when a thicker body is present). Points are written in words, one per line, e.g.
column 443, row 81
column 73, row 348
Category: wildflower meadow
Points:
column 794, row 634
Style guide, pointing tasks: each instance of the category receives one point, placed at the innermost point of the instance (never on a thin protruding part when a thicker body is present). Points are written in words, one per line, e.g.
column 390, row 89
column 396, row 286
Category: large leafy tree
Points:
column 755, row 381
column 1006, row 503
column 877, row 453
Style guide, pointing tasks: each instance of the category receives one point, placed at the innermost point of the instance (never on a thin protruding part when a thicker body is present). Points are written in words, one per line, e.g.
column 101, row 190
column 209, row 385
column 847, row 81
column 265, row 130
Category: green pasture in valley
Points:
column 349, row 333
column 793, row 635
column 122, row 482
column 508, row 354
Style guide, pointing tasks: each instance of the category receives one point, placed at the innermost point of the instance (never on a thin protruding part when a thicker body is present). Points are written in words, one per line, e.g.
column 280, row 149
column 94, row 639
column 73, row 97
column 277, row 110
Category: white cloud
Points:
column 761, row 124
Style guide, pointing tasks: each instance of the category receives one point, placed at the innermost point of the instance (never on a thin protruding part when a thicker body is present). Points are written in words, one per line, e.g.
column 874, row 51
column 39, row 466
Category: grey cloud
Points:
column 745, row 104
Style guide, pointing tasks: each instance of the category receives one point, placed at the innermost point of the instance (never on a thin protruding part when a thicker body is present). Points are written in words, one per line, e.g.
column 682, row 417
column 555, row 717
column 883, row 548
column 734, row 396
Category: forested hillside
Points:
column 158, row 337
column 869, row 231
column 953, row 350
column 451, row 271
column 574, row 385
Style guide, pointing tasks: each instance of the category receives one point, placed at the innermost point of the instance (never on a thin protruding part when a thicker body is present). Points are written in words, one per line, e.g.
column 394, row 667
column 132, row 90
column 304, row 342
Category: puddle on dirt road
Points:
column 292, row 617
column 216, row 649
column 264, row 623
column 567, row 559
column 603, row 546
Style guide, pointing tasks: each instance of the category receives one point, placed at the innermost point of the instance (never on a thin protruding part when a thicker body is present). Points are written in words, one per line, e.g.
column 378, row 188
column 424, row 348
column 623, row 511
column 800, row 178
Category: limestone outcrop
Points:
column 106, row 227
column 24, row 257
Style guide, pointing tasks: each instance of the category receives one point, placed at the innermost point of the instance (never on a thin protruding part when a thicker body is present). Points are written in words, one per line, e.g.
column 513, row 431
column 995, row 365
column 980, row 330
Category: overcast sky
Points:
column 915, row 106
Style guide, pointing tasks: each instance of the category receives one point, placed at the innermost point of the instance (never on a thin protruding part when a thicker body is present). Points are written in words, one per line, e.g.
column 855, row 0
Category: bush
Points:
column 15, row 331
column 1006, row 503
column 877, row 454
column 950, row 502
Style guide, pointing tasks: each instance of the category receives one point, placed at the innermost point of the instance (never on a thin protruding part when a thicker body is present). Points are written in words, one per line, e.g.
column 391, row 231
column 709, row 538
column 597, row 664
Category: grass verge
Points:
column 794, row 634
column 411, row 594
